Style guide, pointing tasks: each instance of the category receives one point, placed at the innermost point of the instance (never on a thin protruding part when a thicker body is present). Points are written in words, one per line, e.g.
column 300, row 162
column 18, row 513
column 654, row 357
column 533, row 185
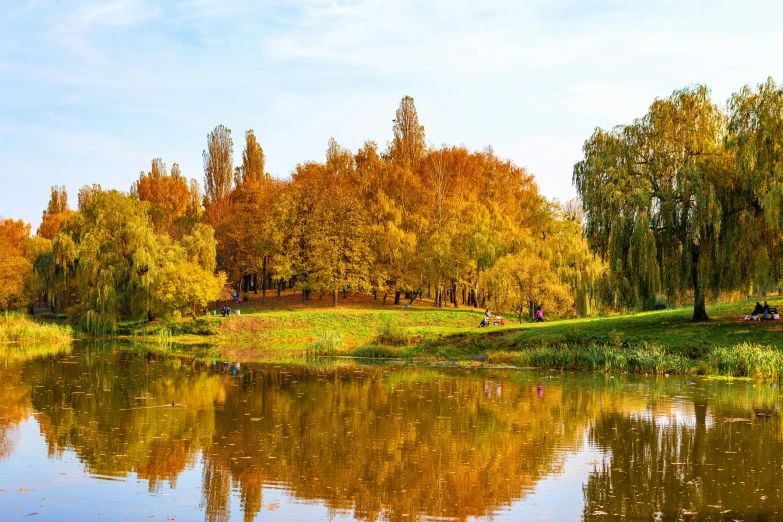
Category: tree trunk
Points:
column 334, row 297
column 384, row 299
column 279, row 287
column 397, row 297
column 375, row 295
column 699, row 308
column 263, row 283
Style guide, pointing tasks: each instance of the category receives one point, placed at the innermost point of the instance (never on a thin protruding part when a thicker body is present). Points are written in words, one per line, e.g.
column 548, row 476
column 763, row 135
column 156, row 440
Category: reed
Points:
column 326, row 344
column 17, row 328
column 380, row 352
column 747, row 360
column 608, row 358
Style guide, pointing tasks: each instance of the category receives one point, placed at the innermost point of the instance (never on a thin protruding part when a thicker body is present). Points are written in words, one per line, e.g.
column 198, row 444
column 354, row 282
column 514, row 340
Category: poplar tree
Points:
column 218, row 165
column 253, row 159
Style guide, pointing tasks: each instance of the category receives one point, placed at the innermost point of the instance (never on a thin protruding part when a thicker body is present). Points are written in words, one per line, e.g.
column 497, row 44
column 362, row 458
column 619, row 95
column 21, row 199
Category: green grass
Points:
column 651, row 342
column 670, row 328
column 19, row 328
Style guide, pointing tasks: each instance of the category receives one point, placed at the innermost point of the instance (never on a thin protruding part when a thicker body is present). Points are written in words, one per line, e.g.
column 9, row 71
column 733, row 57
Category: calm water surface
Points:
column 90, row 433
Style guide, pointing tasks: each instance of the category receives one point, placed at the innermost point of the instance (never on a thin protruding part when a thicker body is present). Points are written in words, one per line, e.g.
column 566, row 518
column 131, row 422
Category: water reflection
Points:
column 400, row 443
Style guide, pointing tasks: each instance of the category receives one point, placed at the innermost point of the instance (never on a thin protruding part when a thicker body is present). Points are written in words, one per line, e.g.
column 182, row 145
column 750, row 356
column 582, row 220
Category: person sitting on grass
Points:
column 487, row 319
column 754, row 315
column 764, row 311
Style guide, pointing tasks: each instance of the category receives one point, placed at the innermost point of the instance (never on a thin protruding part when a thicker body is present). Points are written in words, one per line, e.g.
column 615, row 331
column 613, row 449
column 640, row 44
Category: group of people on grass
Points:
column 761, row 313
column 499, row 321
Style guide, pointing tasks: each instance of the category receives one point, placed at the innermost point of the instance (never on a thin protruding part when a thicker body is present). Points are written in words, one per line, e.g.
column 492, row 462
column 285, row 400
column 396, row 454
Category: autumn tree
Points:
column 408, row 145
column 15, row 268
column 168, row 195
column 218, row 165
column 186, row 287
column 253, row 159
column 56, row 211
column 324, row 247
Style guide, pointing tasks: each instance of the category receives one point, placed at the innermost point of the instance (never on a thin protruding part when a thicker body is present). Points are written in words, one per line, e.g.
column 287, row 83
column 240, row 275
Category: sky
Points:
column 92, row 91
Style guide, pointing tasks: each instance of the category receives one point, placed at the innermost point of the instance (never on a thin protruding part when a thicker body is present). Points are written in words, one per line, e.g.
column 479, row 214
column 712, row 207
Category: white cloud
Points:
column 133, row 79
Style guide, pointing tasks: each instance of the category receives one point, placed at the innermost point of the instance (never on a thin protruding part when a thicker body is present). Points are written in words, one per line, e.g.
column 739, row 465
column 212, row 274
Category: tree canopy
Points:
column 684, row 202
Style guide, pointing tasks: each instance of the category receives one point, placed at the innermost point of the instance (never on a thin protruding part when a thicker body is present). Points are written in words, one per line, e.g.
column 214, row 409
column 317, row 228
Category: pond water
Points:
column 90, row 433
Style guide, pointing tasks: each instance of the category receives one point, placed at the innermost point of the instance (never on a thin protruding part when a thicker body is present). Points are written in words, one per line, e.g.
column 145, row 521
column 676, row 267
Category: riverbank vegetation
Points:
column 658, row 342
column 18, row 328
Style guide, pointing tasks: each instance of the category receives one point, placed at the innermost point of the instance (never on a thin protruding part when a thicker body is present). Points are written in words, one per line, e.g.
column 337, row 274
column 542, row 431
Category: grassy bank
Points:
column 19, row 328
column 652, row 342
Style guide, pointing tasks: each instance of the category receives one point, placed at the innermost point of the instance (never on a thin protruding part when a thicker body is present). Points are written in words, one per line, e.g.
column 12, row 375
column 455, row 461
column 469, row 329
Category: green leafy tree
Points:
column 661, row 204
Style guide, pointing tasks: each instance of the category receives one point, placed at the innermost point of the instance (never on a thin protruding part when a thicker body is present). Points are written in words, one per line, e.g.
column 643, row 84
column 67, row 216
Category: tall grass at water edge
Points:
column 742, row 360
column 326, row 344
column 16, row 327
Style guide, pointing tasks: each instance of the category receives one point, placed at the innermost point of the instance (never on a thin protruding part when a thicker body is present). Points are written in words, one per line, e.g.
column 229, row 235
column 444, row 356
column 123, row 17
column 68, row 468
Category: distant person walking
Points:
column 539, row 315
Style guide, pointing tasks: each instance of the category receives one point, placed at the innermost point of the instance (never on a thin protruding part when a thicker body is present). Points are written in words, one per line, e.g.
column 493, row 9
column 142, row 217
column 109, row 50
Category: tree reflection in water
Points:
column 398, row 443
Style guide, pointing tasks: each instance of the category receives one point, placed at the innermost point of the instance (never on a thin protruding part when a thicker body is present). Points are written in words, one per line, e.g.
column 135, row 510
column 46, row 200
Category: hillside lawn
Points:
column 660, row 341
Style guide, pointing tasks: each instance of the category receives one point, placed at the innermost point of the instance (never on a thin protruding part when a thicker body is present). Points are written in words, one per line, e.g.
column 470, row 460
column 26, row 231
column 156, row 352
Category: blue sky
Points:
column 91, row 91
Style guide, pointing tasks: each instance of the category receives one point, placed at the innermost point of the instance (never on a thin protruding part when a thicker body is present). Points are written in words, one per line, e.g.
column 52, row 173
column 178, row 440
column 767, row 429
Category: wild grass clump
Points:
column 326, row 344
column 16, row 327
column 641, row 359
column 747, row 360
column 163, row 337
column 201, row 326
column 392, row 335
column 380, row 352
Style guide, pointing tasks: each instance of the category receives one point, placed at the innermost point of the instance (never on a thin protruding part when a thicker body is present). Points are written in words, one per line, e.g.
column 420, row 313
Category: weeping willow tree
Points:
column 670, row 207
column 111, row 251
